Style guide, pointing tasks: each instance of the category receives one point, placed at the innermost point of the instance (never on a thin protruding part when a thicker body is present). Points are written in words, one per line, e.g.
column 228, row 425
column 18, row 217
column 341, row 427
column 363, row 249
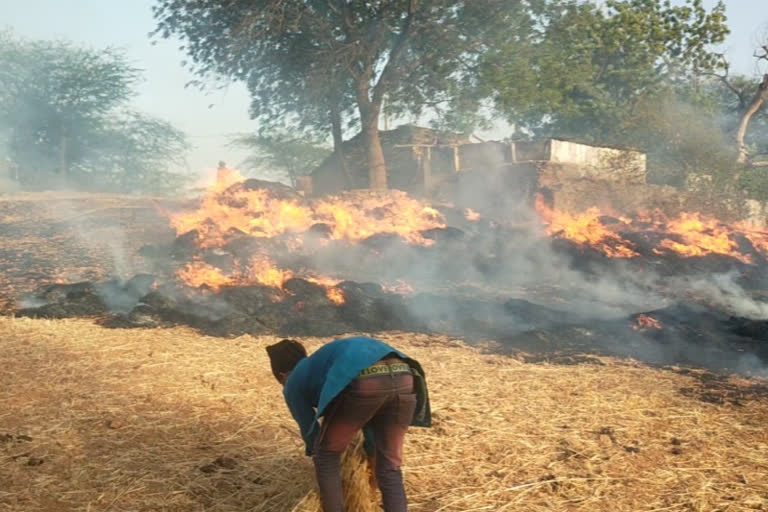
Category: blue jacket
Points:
column 318, row 379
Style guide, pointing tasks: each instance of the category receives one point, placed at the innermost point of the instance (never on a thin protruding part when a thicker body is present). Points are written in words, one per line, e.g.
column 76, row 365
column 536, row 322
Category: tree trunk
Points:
column 369, row 115
column 338, row 146
column 377, row 167
column 757, row 102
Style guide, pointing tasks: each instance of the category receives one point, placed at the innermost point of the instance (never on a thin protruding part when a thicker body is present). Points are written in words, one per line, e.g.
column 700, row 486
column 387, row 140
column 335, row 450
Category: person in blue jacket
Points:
column 353, row 384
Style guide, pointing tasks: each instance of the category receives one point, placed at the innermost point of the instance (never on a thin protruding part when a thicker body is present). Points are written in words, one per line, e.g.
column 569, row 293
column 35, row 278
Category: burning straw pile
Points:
column 151, row 419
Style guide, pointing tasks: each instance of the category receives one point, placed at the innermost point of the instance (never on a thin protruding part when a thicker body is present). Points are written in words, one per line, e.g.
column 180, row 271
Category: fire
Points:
column 226, row 177
column 251, row 212
column 757, row 237
column 335, row 295
column 586, row 229
column 471, row 214
column 258, row 212
column 199, row 273
column 355, row 219
column 227, row 211
column 644, row 322
column 261, row 270
column 687, row 235
column 400, row 286
column 700, row 237
column 233, row 207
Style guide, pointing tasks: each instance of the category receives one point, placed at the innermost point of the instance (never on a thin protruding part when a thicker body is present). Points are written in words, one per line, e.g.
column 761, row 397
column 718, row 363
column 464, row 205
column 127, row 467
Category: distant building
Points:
column 405, row 150
column 483, row 175
column 420, row 159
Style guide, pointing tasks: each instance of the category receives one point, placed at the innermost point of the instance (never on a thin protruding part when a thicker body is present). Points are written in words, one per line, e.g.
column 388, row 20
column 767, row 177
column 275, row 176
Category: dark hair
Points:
column 284, row 355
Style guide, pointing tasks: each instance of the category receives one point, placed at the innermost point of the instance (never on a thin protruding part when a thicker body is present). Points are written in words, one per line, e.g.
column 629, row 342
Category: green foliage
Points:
column 679, row 137
column 621, row 72
column 65, row 120
column 131, row 152
column 310, row 64
column 587, row 67
column 282, row 155
column 754, row 182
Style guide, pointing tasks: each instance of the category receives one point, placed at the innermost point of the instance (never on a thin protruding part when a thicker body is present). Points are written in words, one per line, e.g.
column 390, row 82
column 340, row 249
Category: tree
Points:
column 283, row 154
column 589, row 66
column 65, row 116
column 751, row 98
column 755, row 104
column 132, row 152
column 740, row 100
column 311, row 62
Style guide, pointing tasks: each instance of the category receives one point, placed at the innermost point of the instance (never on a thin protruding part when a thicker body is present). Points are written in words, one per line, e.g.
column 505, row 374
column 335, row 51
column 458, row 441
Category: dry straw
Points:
column 358, row 494
column 93, row 419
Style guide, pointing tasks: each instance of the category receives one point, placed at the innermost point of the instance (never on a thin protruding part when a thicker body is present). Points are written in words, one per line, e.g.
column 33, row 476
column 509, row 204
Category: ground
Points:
column 98, row 419
column 166, row 419
column 49, row 237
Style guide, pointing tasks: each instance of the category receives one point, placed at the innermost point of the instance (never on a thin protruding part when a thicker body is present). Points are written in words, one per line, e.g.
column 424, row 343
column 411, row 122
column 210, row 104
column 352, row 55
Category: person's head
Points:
column 284, row 356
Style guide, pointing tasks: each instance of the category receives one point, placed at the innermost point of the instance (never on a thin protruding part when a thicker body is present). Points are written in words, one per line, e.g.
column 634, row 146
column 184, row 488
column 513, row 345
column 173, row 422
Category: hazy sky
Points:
column 210, row 117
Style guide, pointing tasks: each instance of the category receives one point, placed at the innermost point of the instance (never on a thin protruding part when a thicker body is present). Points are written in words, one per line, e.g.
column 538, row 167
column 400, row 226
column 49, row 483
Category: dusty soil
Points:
column 149, row 419
column 68, row 237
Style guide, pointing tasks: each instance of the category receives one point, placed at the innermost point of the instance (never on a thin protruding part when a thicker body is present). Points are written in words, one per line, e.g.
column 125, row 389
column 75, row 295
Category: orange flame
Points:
column 199, row 273
column 260, row 270
column 585, row 229
column 400, row 286
column 694, row 234
column 354, row 218
column 335, row 295
column 259, row 213
column 263, row 271
column 471, row 214
column 700, row 237
column 757, row 237
column 646, row 322
column 252, row 212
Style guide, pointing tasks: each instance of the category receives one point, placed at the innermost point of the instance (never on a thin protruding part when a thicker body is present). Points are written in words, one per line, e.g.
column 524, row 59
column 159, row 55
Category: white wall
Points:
column 598, row 162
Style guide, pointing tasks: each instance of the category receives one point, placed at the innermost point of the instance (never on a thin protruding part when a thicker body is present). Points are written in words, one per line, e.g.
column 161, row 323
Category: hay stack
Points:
column 358, row 494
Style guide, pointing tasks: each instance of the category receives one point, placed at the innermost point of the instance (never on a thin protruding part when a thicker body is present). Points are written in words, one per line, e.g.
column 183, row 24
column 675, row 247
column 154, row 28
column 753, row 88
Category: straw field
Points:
column 97, row 419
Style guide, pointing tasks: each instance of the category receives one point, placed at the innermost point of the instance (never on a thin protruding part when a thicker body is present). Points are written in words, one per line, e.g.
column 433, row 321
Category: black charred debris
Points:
column 688, row 334
column 681, row 334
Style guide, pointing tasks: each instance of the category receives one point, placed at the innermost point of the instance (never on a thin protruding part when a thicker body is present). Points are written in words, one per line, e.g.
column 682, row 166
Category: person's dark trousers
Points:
column 386, row 403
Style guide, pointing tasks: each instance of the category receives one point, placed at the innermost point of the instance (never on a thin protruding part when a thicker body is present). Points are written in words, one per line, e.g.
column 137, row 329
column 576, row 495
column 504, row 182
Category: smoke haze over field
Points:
column 507, row 280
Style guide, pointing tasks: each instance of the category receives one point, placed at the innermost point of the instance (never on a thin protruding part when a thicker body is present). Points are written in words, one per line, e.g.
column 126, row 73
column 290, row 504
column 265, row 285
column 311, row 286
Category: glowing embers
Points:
column 335, row 295
column 471, row 214
column 644, row 323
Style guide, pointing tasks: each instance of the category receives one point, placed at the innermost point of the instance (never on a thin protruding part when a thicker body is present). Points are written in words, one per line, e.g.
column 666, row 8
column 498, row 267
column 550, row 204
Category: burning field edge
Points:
column 167, row 419
column 73, row 256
